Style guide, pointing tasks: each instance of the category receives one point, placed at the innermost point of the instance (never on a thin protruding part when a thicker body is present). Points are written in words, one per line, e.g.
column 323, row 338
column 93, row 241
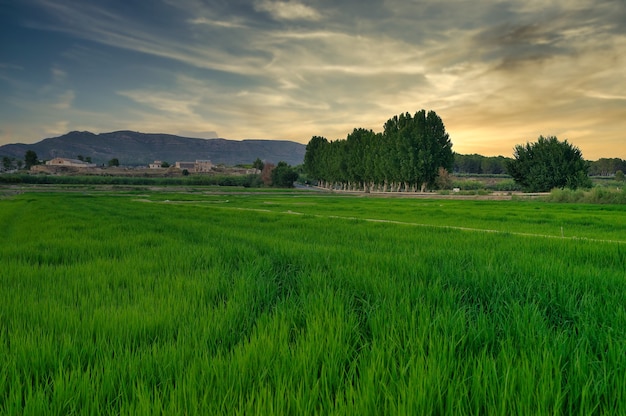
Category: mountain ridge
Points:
column 136, row 148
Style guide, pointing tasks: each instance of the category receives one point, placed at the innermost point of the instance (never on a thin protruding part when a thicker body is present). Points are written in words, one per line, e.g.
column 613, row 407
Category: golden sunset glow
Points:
column 498, row 74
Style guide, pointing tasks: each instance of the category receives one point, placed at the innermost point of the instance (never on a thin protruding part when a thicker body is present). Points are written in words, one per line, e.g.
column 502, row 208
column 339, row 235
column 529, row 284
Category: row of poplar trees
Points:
column 408, row 155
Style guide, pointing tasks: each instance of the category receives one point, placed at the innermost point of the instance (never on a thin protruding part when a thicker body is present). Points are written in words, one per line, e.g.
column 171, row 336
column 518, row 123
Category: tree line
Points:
column 410, row 154
column 480, row 165
column 474, row 164
column 495, row 165
column 607, row 166
column 415, row 153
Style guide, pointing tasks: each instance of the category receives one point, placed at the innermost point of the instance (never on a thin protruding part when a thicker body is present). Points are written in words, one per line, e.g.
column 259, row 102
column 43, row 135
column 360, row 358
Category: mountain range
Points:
column 133, row 148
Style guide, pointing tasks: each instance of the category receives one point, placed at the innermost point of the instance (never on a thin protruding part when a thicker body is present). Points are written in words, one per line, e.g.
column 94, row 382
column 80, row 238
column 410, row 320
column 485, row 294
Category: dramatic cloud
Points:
column 498, row 73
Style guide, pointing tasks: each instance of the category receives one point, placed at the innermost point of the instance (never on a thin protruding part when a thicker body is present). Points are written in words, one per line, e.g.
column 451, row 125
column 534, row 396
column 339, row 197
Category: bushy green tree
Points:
column 30, row 159
column 283, row 175
column 114, row 162
column 548, row 163
column 258, row 164
column 6, row 163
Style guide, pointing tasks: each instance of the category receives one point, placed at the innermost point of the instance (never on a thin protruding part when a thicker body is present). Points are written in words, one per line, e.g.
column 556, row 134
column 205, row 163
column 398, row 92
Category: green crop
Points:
column 307, row 304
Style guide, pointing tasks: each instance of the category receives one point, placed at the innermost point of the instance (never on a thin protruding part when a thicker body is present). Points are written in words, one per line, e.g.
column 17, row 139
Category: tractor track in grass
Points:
column 447, row 227
column 395, row 222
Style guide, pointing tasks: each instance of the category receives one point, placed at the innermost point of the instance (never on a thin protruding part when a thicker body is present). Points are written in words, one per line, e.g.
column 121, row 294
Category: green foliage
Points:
column 508, row 185
column 468, row 184
column 547, row 164
column 606, row 166
column 114, row 162
column 423, row 146
column 252, row 181
column 7, row 163
column 30, row 159
column 478, row 164
column 597, row 195
column 283, row 176
column 258, row 164
column 408, row 155
column 314, row 163
column 487, row 183
column 203, row 180
column 165, row 164
column 619, row 176
column 231, row 305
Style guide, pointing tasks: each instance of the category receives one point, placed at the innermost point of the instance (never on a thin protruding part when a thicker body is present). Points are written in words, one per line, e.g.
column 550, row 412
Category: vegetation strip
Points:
column 449, row 227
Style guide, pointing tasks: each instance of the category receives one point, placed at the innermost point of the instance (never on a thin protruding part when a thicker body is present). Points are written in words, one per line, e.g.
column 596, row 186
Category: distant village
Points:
column 65, row 165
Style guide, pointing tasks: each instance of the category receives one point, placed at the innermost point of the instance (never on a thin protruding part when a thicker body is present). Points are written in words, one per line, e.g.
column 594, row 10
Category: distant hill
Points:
column 133, row 148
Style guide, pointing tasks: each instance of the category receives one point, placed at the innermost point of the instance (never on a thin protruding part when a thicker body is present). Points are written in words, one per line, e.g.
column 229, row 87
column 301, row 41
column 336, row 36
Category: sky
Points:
column 498, row 73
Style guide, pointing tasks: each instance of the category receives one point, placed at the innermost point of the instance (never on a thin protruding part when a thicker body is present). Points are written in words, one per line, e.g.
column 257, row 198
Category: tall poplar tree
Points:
column 407, row 155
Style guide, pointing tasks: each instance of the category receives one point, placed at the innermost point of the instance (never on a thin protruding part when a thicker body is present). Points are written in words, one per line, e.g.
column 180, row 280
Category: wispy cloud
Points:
column 217, row 23
column 604, row 96
column 58, row 75
column 176, row 104
column 57, row 128
column 497, row 72
column 287, row 10
column 65, row 100
column 94, row 23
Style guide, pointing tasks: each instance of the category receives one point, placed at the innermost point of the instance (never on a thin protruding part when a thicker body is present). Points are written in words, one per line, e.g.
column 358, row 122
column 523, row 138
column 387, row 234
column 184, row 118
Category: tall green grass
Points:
column 596, row 195
column 110, row 305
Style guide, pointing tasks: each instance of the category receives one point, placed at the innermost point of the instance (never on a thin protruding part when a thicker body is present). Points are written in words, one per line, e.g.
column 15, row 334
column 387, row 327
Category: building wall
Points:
column 203, row 166
column 61, row 161
column 186, row 165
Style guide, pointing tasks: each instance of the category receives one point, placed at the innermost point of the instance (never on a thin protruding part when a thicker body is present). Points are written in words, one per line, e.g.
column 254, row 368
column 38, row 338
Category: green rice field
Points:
column 295, row 303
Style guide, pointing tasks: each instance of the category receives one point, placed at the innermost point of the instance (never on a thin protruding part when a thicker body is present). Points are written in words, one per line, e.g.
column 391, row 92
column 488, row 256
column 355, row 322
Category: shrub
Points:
column 508, row 185
column 597, row 195
column 468, row 185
